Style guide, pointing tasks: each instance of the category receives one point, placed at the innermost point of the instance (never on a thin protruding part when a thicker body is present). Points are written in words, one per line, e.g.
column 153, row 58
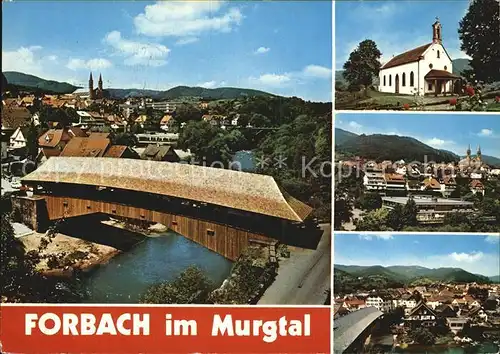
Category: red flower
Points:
column 497, row 99
column 470, row 90
column 406, row 106
column 453, row 102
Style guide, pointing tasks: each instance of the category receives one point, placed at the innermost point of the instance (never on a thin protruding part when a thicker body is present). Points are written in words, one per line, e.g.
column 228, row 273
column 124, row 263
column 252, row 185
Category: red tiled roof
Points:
column 440, row 74
column 14, row 117
column 85, row 147
column 407, row 57
column 432, row 183
column 116, row 151
column 394, row 177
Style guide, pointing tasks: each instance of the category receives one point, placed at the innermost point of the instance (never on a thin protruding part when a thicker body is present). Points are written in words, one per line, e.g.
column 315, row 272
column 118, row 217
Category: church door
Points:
column 397, row 83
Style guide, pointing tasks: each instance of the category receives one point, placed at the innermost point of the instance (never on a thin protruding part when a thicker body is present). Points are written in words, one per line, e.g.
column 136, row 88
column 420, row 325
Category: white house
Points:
column 426, row 69
column 383, row 304
column 18, row 138
column 374, row 181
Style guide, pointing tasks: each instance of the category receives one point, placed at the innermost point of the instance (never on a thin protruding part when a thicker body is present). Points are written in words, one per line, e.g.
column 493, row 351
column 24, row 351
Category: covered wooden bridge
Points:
column 221, row 209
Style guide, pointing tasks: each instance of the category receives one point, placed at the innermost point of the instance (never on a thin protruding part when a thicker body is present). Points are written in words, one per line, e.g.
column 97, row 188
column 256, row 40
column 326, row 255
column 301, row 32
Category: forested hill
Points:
column 27, row 82
column 378, row 277
column 381, row 147
column 30, row 82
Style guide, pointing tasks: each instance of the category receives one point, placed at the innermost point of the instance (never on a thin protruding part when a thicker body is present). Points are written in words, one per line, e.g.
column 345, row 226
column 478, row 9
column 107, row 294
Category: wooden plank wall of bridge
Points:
column 227, row 241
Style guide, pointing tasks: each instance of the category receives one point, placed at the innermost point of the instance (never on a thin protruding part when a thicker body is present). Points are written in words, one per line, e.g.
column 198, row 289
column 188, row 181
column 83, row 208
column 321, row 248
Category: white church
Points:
column 426, row 69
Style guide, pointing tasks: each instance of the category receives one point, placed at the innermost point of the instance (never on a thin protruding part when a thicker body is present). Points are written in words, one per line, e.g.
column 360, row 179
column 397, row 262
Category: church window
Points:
column 390, row 80
column 412, row 79
column 445, row 67
column 384, row 80
column 430, row 66
column 404, row 79
column 438, row 54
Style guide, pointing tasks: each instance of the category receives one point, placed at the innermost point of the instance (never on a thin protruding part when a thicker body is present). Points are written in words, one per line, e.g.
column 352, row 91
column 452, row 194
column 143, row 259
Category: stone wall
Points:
column 30, row 211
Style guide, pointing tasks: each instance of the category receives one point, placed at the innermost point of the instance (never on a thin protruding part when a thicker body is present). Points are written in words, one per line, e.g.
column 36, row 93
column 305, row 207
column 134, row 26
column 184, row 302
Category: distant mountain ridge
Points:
column 409, row 274
column 381, row 147
column 25, row 81
column 495, row 279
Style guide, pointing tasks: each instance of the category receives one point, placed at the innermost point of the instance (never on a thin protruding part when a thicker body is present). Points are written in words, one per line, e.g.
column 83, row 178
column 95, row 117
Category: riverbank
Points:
column 80, row 244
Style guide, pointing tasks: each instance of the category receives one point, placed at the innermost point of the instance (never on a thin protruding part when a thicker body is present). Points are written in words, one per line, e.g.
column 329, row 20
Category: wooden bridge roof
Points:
column 232, row 189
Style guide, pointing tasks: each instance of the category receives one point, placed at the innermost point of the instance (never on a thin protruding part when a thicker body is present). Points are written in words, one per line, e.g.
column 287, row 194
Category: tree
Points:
column 32, row 141
column 127, row 139
column 409, row 213
column 363, row 64
column 395, row 218
column 191, row 286
column 342, row 213
column 187, row 112
column 478, row 31
column 370, row 201
column 423, row 336
column 375, row 220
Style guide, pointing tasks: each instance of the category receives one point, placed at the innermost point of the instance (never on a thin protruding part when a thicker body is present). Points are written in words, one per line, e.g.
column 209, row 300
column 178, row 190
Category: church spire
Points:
column 478, row 152
column 468, row 152
column 91, row 86
column 99, row 86
column 436, row 32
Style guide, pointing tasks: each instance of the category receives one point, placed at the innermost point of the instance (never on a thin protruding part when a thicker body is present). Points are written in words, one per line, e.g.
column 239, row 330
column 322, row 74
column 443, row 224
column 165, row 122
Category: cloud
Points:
column 24, row 59
column 369, row 237
column 186, row 19
column 272, row 80
column 137, row 53
column 208, row 84
column 91, row 64
column 279, row 80
column 485, row 132
column 355, row 125
column 317, row 71
column 187, row 40
column 466, row 257
column 262, row 50
column 438, row 143
column 493, row 239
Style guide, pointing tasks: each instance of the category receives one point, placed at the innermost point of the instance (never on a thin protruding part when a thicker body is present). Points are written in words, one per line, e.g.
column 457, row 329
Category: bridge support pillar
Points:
column 31, row 211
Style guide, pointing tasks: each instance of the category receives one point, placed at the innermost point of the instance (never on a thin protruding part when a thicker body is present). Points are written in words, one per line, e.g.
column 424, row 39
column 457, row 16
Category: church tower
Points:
column 479, row 152
column 468, row 153
column 91, row 87
column 436, row 32
column 99, row 87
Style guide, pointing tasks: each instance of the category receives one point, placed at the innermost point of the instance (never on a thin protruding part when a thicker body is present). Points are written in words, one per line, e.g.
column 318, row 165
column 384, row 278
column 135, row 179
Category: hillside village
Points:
column 441, row 188
column 91, row 123
column 445, row 312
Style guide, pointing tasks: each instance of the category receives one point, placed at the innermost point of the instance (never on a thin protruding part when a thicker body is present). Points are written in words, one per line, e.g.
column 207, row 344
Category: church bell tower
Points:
column 91, row 87
column 99, row 87
column 436, row 32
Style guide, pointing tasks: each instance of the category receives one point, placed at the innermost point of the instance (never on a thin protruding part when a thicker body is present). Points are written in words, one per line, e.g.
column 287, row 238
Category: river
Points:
column 156, row 259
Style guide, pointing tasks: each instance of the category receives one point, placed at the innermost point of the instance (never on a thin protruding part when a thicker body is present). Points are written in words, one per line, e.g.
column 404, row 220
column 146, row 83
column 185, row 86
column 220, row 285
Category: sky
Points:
column 396, row 26
column 453, row 132
column 478, row 254
column 280, row 47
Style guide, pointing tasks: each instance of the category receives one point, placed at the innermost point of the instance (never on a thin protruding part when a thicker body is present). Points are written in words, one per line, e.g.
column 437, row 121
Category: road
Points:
column 304, row 277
